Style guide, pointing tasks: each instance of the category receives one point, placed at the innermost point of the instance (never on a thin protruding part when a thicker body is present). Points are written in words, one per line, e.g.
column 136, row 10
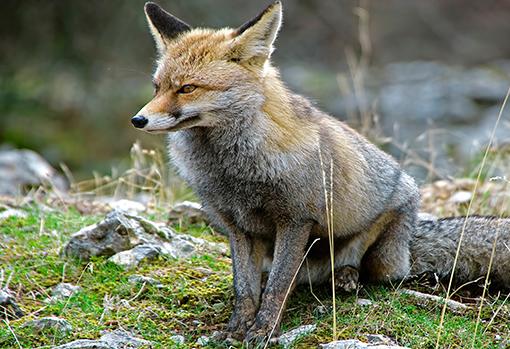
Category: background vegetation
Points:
column 73, row 72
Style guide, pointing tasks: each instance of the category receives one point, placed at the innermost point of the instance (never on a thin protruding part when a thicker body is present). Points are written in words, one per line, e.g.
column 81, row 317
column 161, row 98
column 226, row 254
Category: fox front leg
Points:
column 247, row 256
column 289, row 250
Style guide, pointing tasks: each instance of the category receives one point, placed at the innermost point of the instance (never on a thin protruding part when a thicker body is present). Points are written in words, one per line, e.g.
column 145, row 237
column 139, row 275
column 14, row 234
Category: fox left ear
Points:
column 255, row 38
column 164, row 27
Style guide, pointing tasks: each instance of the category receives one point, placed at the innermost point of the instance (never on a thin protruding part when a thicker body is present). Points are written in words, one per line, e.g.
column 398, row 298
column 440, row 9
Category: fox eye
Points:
column 186, row 89
column 156, row 88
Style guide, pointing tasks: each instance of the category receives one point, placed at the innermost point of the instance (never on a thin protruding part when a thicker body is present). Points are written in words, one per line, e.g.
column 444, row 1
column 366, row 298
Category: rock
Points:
column 114, row 234
column 49, row 323
column 62, row 291
column 203, row 340
column 356, row 344
column 461, row 197
column 380, row 339
column 8, row 305
column 364, row 302
column 10, row 212
column 320, row 310
column 24, row 168
column 288, row 338
column 178, row 339
column 424, row 216
column 117, row 339
column 85, row 344
column 190, row 211
column 140, row 279
column 129, row 239
column 128, row 206
column 131, row 258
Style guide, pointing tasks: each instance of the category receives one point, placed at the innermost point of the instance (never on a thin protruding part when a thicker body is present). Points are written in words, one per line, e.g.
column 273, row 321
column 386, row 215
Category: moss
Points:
column 196, row 296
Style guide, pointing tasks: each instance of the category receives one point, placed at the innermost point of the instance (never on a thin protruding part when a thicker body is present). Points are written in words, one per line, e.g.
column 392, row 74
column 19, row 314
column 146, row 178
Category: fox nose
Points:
column 139, row 121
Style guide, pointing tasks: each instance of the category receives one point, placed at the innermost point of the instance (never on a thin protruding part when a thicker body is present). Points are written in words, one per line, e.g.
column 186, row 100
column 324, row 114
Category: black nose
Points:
column 139, row 121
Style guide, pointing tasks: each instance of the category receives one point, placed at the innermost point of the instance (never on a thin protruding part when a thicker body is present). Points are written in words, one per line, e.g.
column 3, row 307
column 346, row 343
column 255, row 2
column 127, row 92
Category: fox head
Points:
column 206, row 77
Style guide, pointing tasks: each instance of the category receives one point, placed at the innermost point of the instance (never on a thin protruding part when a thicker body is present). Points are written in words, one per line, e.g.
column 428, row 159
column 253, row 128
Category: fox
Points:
column 281, row 178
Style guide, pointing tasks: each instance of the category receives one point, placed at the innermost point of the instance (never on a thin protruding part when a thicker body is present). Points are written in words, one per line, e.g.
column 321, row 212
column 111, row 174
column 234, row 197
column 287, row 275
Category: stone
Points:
column 380, row 339
column 203, row 340
column 140, row 279
column 461, row 197
column 117, row 339
column 49, row 323
column 20, row 169
column 190, row 211
column 356, row 344
column 8, row 305
column 63, row 290
column 129, row 239
column 10, row 212
column 128, row 206
column 131, row 258
column 114, row 234
column 288, row 338
column 364, row 302
column 178, row 339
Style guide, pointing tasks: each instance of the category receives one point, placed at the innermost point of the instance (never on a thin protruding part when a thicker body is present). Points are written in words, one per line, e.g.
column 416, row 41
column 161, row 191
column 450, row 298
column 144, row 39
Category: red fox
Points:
column 261, row 158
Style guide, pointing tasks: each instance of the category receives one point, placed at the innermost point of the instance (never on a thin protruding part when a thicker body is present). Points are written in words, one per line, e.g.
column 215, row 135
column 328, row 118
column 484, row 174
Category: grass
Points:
column 196, row 297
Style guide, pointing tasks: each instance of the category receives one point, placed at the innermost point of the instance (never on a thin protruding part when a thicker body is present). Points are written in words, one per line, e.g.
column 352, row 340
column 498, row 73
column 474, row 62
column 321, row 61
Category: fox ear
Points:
column 164, row 27
column 255, row 38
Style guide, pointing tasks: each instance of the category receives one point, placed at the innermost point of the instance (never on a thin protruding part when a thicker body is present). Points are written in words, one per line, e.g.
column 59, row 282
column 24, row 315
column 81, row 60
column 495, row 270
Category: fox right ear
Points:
column 255, row 38
column 164, row 27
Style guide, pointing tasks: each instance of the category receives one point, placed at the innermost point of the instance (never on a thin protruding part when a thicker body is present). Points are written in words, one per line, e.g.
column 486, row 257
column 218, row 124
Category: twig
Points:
column 453, row 305
column 14, row 334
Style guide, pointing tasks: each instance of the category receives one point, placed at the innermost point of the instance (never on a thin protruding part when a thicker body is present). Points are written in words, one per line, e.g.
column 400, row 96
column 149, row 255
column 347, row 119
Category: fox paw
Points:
column 346, row 278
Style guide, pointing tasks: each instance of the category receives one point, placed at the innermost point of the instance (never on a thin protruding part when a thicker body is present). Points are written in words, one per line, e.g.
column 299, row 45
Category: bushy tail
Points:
column 435, row 242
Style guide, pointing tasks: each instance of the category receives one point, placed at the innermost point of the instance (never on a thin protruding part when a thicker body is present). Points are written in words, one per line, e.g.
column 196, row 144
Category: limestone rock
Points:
column 117, row 339
column 48, row 323
column 288, row 338
column 25, row 168
column 8, row 305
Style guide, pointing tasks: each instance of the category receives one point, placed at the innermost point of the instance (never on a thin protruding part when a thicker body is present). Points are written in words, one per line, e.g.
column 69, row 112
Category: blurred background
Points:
column 422, row 79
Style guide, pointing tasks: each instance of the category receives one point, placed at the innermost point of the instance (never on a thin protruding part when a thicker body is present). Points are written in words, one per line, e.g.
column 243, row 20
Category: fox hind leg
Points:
column 388, row 259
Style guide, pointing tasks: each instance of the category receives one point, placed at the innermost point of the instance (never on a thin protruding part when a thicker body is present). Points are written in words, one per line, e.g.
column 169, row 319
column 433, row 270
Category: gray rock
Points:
column 128, row 206
column 364, row 302
column 140, row 279
column 187, row 210
column 24, row 168
column 380, row 339
column 114, row 234
column 203, row 340
column 49, row 323
column 117, row 339
column 62, row 291
column 85, row 344
column 178, row 339
column 128, row 239
column 131, row 258
column 356, row 344
column 8, row 305
column 10, row 212
column 288, row 338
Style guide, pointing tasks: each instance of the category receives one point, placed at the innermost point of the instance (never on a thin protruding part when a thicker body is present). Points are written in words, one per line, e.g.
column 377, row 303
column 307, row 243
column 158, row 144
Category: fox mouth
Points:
column 173, row 123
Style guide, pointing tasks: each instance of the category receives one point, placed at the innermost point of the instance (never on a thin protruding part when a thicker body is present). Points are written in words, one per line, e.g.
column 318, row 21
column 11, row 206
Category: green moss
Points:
column 196, row 297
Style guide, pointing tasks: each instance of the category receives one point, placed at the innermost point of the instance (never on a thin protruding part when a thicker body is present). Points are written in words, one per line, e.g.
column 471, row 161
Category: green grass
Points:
column 196, row 297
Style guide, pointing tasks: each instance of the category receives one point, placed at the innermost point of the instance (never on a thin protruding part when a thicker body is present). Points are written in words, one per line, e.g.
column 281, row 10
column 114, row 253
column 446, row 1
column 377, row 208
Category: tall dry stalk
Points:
column 328, row 199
